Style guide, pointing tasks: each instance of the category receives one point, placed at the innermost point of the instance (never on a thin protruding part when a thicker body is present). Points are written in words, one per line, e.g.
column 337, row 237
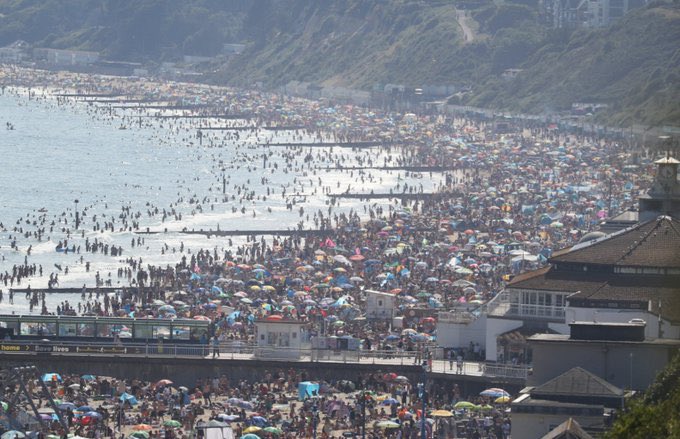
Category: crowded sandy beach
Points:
column 438, row 210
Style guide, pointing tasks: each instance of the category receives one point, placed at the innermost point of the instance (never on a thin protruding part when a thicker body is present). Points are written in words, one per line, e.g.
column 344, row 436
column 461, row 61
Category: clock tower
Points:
column 664, row 196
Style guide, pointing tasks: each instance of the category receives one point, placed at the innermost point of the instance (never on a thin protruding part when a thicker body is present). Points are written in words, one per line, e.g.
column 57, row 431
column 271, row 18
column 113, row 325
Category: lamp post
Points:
column 423, row 397
column 77, row 217
column 631, row 371
column 363, row 414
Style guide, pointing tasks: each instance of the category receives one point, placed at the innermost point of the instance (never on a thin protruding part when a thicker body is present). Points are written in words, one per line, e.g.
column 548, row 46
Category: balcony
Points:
column 507, row 305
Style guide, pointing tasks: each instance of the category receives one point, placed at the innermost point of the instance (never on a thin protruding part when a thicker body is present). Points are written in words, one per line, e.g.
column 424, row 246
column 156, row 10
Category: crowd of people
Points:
column 506, row 199
column 275, row 406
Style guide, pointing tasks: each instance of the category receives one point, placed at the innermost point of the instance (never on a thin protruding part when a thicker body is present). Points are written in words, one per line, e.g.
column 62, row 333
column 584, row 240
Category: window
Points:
column 107, row 330
column 380, row 303
column 67, row 329
column 181, row 332
column 142, row 330
column 86, row 329
column 38, row 328
column 160, row 331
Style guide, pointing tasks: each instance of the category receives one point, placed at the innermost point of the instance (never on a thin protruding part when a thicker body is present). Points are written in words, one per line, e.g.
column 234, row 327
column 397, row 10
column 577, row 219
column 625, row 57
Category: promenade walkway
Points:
column 243, row 352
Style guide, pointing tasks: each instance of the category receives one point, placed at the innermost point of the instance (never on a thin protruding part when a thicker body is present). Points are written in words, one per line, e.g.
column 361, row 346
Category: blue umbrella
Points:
column 259, row 421
column 85, row 408
column 246, row 405
column 126, row 397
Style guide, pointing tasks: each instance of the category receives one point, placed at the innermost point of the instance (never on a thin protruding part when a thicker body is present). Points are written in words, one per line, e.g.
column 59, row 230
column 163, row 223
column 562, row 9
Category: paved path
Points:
column 463, row 20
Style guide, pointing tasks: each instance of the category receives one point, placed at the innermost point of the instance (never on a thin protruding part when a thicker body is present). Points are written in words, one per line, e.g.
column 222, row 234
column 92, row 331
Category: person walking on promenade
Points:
column 215, row 346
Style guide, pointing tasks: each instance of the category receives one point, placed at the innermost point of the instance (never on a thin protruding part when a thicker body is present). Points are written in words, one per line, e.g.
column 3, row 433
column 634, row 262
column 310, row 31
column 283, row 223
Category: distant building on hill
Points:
column 62, row 57
column 15, row 52
column 233, row 48
column 588, row 13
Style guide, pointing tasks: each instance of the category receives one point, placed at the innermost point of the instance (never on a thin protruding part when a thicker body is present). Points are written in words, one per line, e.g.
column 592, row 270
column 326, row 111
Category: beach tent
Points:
column 307, row 389
column 126, row 397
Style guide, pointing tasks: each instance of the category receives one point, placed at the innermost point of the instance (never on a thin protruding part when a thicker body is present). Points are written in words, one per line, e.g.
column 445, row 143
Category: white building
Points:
column 457, row 329
column 278, row 338
column 380, row 305
column 632, row 274
column 71, row 57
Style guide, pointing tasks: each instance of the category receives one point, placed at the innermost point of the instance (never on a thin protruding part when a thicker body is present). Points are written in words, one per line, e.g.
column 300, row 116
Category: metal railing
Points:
column 506, row 370
column 456, row 317
column 246, row 351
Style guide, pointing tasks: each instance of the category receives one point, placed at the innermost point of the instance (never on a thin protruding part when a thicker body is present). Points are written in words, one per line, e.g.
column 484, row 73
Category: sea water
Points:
column 61, row 152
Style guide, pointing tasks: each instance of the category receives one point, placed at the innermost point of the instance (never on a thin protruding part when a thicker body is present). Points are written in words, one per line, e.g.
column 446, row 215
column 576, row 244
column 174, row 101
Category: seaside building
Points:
column 619, row 353
column 663, row 198
column 630, row 274
column 16, row 52
column 278, row 338
column 380, row 305
column 575, row 394
column 62, row 57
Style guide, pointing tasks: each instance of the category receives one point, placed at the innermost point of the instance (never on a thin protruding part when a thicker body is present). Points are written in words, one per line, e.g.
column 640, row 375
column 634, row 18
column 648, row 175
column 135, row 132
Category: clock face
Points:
column 666, row 172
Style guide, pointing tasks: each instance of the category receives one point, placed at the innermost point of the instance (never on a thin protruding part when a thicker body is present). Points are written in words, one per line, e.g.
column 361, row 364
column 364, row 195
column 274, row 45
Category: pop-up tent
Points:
column 307, row 389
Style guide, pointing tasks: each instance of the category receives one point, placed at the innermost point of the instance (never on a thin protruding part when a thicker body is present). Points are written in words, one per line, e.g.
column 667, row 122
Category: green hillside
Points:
column 632, row 66
column 358, row 44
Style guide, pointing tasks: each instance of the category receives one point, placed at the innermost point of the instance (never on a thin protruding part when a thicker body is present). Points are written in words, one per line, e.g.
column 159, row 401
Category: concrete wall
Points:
column 623, row 316
column 380, row 305
column 459, row 335
column 185, row 371
column 494, row 328
column 608, row 360
column 560, row 328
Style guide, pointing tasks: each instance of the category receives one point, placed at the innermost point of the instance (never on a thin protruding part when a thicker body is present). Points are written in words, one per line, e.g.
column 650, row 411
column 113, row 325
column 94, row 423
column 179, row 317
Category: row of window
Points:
column 539, row 298
column 109, row 330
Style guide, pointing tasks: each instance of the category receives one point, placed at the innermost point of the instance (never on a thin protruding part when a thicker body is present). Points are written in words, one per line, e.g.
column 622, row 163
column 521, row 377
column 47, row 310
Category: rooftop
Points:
column 667, row 161
column 564, row 338
column 654, row 243
column 569, row 429
column 577, row 382
column 607, row 287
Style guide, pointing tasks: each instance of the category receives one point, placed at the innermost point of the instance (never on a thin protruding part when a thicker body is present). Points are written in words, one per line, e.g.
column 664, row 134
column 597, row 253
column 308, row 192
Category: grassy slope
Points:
column 635, row 66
